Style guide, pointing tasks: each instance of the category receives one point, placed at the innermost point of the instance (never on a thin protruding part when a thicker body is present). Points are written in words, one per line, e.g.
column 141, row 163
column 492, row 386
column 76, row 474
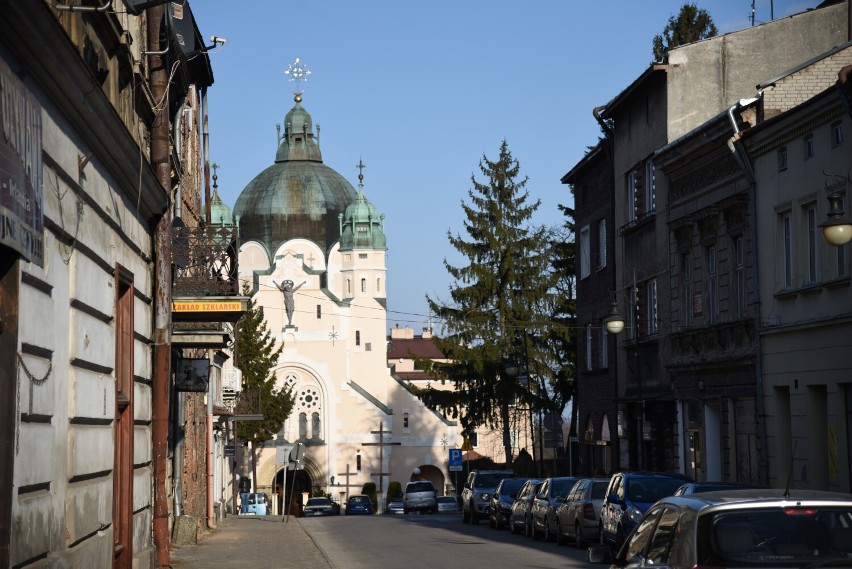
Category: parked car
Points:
column 739, row 528
column 500, row 507
column 359, row 504
column 420, row 496
column 520, row 521
column 448, row 504
column 253, row 504
column 395, row 507
column 578, row 514
column 698, row 487
column 320, row 507
column 628, row 496
column 477, row 491
column 550, row 495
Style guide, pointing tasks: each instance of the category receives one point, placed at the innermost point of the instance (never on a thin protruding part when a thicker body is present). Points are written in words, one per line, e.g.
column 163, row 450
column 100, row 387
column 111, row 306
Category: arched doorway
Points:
column 292, row 485
column 431, row 473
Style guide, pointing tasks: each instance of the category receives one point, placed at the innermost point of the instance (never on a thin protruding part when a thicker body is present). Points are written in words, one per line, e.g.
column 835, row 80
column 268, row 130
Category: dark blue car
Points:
column 500, row 508
column 359, row 504
column 629, row 496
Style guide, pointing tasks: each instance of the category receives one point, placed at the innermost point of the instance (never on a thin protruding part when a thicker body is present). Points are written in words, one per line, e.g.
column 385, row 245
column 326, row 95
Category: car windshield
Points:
column 510, row 486
column 490, row 479
column 447, row 500
column 651, row 489
column 780, row 537
column 358, row 499
column 318, row 502
column 561, row 487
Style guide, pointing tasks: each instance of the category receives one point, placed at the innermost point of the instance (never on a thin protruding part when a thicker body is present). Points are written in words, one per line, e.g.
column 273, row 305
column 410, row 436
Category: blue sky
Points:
column 421, row 90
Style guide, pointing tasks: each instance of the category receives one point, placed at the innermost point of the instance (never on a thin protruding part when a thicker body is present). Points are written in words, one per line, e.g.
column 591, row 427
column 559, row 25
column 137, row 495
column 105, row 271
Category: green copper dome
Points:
column 361, row 226
column 220, row 214
column 298, row 196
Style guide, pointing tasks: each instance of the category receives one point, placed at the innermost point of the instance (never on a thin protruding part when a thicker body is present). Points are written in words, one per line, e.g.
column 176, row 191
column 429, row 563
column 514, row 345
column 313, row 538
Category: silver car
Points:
column 420, row 496
column 520, row 520
column 739, row 528
column 577, row 517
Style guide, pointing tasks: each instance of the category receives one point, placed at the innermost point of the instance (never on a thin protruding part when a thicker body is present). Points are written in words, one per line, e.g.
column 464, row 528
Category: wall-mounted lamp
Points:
column 614, row 322
column 837, row 229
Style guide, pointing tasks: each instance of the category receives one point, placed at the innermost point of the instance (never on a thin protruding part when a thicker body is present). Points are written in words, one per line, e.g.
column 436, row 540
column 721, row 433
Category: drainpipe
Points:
column 597, row 114
column 162, row 294
column 211, row 517
column 744, row 163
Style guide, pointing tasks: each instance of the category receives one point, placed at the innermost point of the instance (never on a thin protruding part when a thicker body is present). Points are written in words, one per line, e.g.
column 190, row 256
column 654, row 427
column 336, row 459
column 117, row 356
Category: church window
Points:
column 357, row 337
column 303, row 425
column 368, row 346
column 362, row 255
column 319, row 311
column 363, row 285
column 378, row 285
column 348, row 286
column 315, row 426
column 358, row 461
column 405, row 420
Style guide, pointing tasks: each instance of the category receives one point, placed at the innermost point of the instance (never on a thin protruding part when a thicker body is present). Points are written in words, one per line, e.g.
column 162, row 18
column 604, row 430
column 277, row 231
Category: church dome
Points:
column 362, row 226
column 296, row 197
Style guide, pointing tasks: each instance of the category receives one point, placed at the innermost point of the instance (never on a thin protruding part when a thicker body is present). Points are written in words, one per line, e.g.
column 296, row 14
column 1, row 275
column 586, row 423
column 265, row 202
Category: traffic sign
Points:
column 455, row 461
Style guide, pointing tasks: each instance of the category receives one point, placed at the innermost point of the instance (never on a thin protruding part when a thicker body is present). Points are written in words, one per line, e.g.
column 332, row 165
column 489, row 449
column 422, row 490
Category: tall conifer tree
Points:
column 494, row 315
column 691, row 24
column 256, row 357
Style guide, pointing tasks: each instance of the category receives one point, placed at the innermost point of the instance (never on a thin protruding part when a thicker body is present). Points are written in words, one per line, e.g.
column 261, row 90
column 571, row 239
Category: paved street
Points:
column 368, row 542
column 262, row 542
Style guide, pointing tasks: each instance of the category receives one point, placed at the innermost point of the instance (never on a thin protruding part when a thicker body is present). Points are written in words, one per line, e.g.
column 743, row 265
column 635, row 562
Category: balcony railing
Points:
column 206, row 261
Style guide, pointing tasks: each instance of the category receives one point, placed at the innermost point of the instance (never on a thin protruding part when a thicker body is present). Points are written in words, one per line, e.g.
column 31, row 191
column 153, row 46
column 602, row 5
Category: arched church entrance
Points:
column 431, row 473
column 294, row 487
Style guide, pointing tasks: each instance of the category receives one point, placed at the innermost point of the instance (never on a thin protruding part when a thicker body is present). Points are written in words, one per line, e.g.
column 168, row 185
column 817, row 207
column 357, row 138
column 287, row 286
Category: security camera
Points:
column 217, row 39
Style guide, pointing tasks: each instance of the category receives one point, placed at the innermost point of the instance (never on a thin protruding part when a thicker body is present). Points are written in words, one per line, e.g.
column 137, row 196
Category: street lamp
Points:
column 614, row 322
column 837, row 229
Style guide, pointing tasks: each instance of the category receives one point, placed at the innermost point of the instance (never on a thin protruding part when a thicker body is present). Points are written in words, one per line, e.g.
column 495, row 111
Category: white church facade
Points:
column 355, row 421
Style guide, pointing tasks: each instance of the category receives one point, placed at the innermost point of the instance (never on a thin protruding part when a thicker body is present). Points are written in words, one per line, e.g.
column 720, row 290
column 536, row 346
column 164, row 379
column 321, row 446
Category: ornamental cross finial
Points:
column 297, row 72
column 360, row 165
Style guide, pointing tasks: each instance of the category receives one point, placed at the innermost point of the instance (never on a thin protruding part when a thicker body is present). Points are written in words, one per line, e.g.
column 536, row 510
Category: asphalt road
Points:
column 436, row 541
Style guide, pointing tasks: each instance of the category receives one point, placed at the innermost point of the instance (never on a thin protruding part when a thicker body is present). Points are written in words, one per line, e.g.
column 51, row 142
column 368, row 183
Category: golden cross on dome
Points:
column 297, row 72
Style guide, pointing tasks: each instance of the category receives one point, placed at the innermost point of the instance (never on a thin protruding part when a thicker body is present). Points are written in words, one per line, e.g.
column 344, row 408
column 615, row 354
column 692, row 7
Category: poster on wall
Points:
column 21, row 197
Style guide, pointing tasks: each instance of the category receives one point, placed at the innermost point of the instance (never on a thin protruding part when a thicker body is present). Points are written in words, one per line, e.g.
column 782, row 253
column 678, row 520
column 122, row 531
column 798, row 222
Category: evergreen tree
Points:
column 501, row 304
column 691, row 24
column 255, row 355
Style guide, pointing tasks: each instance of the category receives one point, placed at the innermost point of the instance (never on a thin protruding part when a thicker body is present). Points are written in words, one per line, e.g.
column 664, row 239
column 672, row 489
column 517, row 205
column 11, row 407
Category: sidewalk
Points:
column 258, row 542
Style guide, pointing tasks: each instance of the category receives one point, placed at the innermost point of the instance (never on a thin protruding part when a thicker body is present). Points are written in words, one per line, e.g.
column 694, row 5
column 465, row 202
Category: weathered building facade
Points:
column 801, row 157
column 595, row 409
column 88, row 107
column 697, row 82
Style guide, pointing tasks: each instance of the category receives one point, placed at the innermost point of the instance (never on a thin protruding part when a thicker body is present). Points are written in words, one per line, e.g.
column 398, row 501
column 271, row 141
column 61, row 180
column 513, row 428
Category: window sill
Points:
column 640, row 221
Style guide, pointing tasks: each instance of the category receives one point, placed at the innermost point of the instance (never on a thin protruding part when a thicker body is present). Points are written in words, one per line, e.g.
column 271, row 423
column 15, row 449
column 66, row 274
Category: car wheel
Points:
column 579, row 538
column 548, row 535
column 513, row 529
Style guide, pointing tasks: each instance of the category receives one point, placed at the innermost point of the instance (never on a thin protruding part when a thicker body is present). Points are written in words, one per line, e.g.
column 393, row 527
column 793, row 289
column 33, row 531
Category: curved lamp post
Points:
column 837, row 229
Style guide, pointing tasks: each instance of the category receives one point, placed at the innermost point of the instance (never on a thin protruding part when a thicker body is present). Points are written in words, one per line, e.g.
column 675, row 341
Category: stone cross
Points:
column 381, row 444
